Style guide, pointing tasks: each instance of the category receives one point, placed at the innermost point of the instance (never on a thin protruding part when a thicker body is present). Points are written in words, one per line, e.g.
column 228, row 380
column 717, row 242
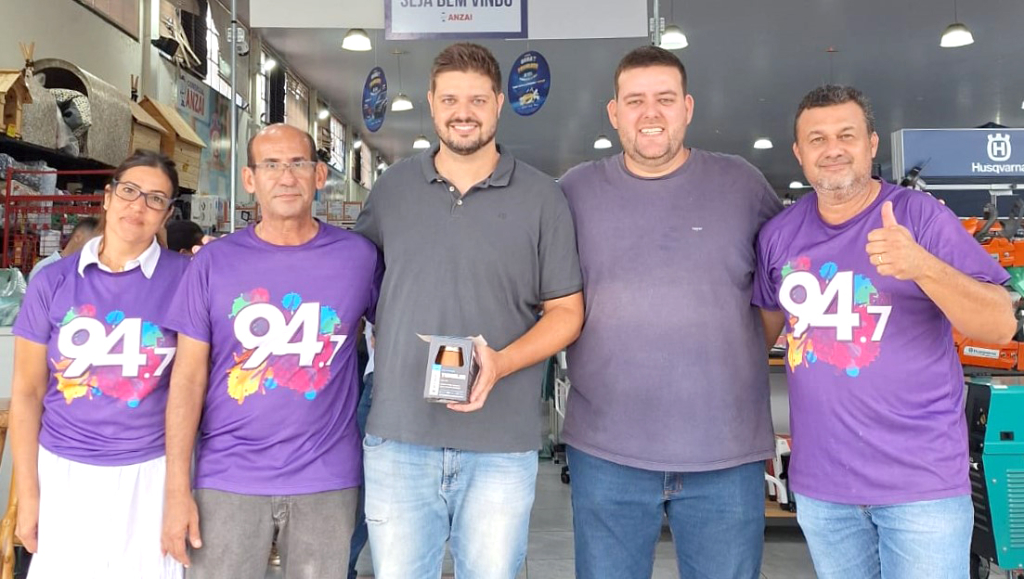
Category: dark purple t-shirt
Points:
column 109, row 353
column 282, row 324
column 875, row 383
column 670, row 372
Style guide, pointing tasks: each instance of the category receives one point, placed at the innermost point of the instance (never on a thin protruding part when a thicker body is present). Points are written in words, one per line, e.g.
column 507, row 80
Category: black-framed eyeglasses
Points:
column 275, row 169
column 131, row 192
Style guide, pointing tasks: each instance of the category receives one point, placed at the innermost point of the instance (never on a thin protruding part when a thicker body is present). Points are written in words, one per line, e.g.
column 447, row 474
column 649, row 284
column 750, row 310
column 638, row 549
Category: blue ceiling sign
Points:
column 375, row 99
column 528, row 83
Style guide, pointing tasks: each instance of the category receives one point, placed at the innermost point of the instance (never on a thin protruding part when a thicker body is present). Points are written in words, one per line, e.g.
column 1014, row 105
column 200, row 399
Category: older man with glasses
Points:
column 266, row 371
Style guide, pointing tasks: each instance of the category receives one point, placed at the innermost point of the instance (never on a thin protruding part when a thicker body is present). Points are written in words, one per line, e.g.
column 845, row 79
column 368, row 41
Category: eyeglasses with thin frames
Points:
column 274, row 169
column 131, row 192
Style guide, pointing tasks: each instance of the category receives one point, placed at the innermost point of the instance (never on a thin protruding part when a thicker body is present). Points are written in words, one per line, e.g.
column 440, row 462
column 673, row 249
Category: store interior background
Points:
column 749, row 64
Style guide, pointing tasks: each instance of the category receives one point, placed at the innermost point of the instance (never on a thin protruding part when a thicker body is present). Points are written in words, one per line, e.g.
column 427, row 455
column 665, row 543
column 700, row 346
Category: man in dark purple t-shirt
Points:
column 668, row 412
column 869, row 279
column 267, row 321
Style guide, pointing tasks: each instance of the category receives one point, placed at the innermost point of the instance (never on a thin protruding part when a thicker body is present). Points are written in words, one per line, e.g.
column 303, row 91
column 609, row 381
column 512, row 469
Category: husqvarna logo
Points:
column 999, row 147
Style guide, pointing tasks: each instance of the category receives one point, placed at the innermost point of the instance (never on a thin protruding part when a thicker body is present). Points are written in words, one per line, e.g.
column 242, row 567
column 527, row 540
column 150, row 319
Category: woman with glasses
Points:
column 91, row 372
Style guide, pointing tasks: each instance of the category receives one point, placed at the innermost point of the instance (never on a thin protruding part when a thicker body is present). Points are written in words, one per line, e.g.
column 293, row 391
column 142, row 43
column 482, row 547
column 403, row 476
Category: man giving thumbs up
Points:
column 868, row 279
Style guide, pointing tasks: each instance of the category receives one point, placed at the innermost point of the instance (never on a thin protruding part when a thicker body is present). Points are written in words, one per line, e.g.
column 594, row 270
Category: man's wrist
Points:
column 931, row 268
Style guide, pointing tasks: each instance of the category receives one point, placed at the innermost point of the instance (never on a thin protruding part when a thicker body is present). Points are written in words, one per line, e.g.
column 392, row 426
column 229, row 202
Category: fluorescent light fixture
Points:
column 401, row 103
column 421, row 142
column 268, row 65
column 357, row 143
column 796, row 185
column 602, row 142
column 673, row 38
column 763, row 143
column 324, row 113
column 955, row 36
column 356, row 40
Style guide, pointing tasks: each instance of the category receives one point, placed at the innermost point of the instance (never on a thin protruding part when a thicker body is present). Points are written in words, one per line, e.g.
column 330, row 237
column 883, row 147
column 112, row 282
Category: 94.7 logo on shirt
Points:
column 114, row 356
column 290, row 345
column 835, row 317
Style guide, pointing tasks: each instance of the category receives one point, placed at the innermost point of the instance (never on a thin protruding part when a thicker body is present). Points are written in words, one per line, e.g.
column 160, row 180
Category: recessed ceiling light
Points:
column 796, row 185
column 763, row 143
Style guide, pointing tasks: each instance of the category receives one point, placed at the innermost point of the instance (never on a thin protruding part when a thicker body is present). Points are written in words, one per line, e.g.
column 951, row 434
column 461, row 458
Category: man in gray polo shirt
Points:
column 475, row 243
column 668, row 411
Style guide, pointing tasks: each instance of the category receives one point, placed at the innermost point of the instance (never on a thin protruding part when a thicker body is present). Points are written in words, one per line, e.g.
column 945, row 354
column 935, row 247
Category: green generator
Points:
column 995, row 430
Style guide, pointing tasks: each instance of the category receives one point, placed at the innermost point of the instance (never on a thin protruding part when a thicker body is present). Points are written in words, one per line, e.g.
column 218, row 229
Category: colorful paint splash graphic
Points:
column 101, row 381
column 283, row 371
column 820, row 344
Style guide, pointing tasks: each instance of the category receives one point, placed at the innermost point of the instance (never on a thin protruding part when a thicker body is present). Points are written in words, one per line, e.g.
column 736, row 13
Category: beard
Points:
column 466, row 146
column 841, row 188
column 651, row 155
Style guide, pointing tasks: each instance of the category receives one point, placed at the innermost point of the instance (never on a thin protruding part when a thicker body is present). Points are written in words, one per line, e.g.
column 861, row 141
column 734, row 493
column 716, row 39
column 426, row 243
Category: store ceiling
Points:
column 749, row 64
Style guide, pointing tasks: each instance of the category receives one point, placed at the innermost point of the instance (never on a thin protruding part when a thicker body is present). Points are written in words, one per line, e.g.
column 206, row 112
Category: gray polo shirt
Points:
column 461, row 266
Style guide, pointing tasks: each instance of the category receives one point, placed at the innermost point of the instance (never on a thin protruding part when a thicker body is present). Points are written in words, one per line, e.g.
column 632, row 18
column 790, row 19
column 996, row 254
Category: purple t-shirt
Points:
column 109, row 354
column 875, row 383
column 282, row 324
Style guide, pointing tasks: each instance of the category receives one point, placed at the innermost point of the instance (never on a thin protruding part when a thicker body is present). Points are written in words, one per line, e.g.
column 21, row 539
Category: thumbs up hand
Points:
column 892, row 249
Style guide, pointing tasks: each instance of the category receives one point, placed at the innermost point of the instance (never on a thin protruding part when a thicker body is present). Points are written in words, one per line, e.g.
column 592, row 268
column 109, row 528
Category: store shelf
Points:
column 24, row 152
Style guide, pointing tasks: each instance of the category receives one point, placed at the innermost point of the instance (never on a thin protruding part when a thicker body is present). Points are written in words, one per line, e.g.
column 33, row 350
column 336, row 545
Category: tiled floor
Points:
column 550, row 549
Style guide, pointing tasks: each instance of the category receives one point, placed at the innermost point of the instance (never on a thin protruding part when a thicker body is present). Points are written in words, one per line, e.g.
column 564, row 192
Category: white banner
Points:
column 410, row 19
column 547, row 19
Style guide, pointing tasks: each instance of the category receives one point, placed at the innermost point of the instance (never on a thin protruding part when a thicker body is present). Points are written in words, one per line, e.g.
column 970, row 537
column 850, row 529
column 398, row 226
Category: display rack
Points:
column 26, row 218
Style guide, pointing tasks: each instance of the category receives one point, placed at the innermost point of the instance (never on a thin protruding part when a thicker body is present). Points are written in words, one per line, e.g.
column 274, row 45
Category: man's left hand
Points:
column 893, row 250
column 487, row 376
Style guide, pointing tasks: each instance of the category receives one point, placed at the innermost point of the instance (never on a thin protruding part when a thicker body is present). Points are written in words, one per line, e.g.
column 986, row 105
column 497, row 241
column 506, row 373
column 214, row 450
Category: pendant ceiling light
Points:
column 356, row 40
column 956, row 34
column 401, row 102
column 672, row 37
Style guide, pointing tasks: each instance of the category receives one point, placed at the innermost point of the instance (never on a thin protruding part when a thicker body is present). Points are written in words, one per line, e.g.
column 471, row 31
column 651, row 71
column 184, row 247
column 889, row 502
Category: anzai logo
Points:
column 999, row 147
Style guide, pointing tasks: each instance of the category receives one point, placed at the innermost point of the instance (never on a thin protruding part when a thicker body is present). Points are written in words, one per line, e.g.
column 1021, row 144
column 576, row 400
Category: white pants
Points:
column 100, row 522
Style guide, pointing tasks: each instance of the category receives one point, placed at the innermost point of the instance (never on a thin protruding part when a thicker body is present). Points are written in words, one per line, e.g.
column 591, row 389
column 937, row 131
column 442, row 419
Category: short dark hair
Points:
column 249, row 155
column 146, row 158
column 86, row 225
column 183, row 234
column 648, row 56
column 467, row 57
column 834, row 94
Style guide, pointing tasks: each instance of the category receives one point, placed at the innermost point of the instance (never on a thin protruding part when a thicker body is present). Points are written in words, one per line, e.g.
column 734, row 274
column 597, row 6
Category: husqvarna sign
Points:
column 960, row 154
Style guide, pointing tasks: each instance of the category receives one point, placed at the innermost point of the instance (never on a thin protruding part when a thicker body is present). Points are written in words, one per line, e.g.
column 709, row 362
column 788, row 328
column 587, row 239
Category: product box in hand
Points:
column 451, row 370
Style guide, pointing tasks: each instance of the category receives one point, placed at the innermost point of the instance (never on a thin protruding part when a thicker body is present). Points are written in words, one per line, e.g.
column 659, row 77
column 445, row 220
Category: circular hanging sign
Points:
column 528, row 83
column 375, row 99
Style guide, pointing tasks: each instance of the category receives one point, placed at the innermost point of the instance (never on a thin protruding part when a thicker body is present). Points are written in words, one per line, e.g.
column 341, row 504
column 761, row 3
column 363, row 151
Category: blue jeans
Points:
column 716, row 517
column 359, row 536
column 922, row 539
column 418, row 498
